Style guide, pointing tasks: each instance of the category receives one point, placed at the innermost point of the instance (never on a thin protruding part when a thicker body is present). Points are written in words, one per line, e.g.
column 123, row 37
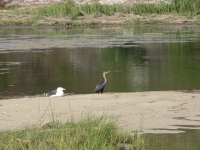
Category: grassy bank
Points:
column 81, row 14
column 188, row 7
column 91, row 133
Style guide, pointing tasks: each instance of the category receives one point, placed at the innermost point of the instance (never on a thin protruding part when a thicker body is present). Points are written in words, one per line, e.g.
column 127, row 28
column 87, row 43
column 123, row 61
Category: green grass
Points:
column 176, row 6
column 92, row 133
column 73, row 11
column 187, row 8
column 107, row 10
column 198, row 18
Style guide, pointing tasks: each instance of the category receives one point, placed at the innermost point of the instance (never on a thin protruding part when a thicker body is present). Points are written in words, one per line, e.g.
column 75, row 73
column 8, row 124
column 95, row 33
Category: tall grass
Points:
column 104, row 9
column 73, row 11
column 59, row 9
column 176, row 6
column 40, row 15
column 92, row 133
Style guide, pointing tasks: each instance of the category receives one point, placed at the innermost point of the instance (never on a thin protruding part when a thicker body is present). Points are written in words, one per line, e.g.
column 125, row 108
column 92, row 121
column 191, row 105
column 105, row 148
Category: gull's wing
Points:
column 51, row 93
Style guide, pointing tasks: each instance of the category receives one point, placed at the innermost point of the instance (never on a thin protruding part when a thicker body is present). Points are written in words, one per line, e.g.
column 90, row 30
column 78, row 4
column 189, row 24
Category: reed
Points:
column 108, row 10
column 58, row 9
column 176, row 6
column 89, row 133
column 36, row 14
column 73, row 11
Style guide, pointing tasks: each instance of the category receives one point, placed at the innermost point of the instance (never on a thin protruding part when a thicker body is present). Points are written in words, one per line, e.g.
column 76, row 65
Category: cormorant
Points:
column 100, row 86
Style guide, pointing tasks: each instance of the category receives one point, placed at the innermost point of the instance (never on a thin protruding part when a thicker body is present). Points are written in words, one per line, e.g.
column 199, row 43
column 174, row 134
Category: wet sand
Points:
column 152, row 112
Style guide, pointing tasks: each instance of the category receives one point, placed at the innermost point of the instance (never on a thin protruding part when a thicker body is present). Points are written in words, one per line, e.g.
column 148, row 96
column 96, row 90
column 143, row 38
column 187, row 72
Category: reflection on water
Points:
column 34, row 61
column 38, row 60
column 188, row 140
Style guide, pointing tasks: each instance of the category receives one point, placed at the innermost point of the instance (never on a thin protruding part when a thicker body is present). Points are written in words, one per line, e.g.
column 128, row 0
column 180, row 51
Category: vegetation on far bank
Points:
column 92, row 133
column 32, row 14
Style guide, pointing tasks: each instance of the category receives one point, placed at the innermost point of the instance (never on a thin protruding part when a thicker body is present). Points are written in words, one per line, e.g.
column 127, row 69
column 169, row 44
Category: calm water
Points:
column 188, row 140
column 38, row 60
column 34, row 61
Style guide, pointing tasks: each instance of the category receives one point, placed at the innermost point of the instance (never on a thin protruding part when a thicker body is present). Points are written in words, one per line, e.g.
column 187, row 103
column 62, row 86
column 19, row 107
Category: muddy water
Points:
column 188, row 140
column 38, row 60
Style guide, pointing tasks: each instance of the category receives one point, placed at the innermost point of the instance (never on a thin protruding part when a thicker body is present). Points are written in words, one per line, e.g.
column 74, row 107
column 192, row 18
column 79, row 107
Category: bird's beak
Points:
column 64, row 89
column 107, row 72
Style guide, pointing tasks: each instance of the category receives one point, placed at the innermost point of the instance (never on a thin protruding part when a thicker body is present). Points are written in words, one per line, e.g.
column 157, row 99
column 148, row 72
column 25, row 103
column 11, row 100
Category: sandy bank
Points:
column 152, row 111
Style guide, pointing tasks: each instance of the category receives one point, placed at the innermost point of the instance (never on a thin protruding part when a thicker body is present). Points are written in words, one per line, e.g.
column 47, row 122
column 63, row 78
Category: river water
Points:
column 38, row 60
column 140, row 58
column 187, row 140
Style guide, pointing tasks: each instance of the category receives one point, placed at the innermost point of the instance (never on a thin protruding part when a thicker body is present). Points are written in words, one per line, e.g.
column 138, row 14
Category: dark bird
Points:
column 55, row 93
column 100, row 86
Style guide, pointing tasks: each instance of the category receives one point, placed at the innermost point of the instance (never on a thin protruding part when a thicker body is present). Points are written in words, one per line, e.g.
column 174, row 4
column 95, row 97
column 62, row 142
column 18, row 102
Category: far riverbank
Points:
column 100, row 13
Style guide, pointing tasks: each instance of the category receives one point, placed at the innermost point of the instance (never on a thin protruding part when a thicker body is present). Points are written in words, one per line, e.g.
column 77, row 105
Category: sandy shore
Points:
column 155, row 112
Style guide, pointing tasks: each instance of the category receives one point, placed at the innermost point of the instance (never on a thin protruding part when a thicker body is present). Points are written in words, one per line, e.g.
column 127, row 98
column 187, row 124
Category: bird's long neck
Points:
column 104, row 78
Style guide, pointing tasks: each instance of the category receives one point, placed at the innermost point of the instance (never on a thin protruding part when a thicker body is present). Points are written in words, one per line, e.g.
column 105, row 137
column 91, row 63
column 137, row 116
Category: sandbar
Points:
column 149, row 112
